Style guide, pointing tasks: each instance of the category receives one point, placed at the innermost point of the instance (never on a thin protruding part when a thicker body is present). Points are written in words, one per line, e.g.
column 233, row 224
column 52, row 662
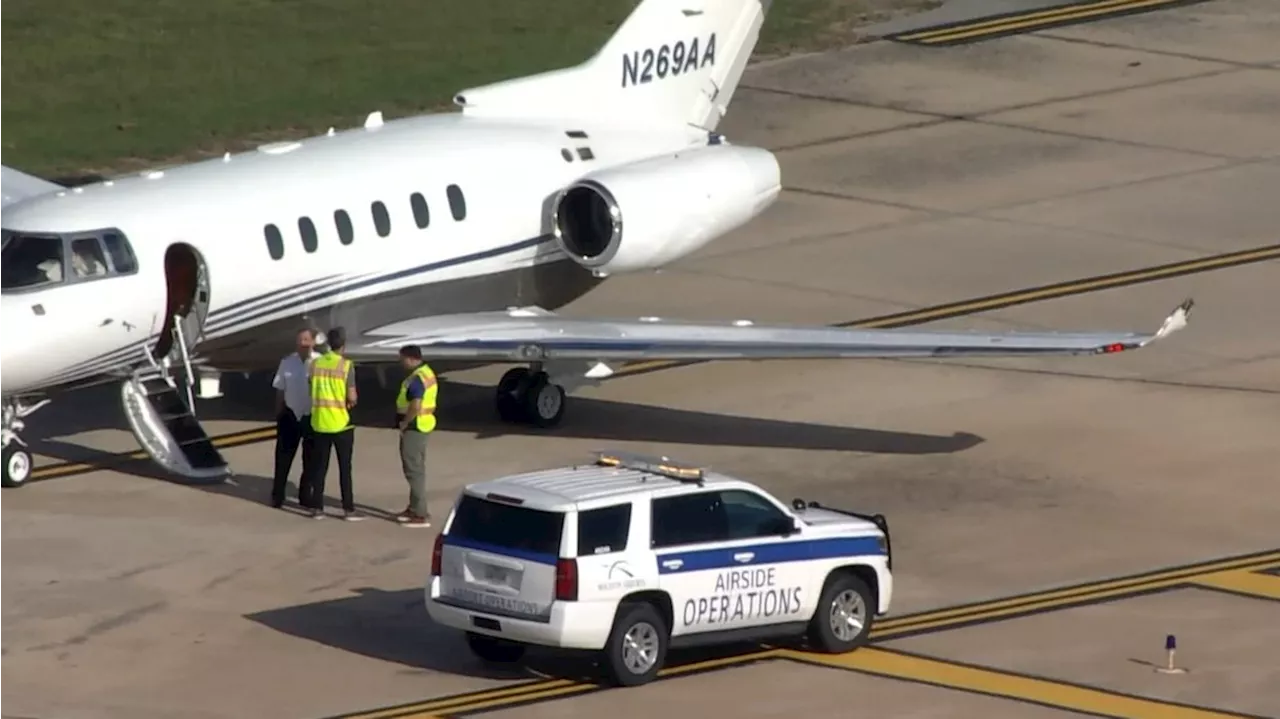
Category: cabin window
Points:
column 27, row 261
column 457, row 203
column 381, row 220
column 307, row 229
column 275, row 243
column 87, row 258
column 421, row 214
column 122, row 258
column 345, row 232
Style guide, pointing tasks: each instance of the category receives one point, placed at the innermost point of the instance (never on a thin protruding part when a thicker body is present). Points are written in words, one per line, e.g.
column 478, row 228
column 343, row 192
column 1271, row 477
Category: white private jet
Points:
column 459, row 232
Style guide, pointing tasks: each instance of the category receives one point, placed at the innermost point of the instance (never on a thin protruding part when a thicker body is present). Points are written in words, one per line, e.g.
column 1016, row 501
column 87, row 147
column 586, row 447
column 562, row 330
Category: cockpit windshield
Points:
column 87, row 259
column 31, row 261
column 37, row 261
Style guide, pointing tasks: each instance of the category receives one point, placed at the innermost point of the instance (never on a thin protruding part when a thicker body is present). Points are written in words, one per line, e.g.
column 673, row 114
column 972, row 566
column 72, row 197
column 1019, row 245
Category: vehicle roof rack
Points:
column 662, row 466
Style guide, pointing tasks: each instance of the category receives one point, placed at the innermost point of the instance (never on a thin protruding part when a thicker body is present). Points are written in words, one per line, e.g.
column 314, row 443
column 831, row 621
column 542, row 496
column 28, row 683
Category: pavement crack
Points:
column 96, row 629
column 1050, row 35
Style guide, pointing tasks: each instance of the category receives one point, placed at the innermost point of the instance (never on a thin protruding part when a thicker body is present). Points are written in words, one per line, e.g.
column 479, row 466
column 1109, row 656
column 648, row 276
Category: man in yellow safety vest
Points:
column 333, row 394
column 416, row 418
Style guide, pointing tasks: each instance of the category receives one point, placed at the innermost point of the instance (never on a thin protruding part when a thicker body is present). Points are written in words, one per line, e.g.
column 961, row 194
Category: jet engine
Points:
column 645, row 214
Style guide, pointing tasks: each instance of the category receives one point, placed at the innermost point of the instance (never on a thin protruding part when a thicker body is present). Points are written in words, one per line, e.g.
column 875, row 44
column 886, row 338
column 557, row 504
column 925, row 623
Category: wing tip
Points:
column 1173, row 322
column 1176, row 319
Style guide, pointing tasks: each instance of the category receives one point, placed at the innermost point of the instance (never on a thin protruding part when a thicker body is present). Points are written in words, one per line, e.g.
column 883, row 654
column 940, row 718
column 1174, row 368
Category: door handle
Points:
column 744, row 556
column 673, row 563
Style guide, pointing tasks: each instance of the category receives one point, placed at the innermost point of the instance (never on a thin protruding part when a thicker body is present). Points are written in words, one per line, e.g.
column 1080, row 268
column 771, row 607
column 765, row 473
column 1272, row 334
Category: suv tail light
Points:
column 436, row 552
column 567, row 580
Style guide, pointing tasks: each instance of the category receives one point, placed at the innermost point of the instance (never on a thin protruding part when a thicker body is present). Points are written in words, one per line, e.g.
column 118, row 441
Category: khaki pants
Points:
column 413, row 460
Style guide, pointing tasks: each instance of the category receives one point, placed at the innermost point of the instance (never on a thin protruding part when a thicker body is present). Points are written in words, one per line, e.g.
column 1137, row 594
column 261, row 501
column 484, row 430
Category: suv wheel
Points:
column 845, row 612
column 637, row 645
column 492, row 649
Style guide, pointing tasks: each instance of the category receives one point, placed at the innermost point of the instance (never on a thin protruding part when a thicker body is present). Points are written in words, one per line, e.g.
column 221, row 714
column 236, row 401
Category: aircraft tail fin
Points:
column 670, row 62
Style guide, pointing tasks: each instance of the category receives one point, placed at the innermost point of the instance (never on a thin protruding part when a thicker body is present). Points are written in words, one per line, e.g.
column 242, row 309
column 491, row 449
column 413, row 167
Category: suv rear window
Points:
column 507, row 526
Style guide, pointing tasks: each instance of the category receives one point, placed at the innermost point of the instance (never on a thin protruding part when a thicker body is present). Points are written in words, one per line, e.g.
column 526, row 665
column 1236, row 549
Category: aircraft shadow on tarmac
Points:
column 469, row 408
column 394, row 626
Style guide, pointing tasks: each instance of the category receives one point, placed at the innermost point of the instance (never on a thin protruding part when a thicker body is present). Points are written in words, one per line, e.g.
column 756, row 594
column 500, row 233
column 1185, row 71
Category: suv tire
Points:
column 637, row 645
column 846, row 601
column 492, row 649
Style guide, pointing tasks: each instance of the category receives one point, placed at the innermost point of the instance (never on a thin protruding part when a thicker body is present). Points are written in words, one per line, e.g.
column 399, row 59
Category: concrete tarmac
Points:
column 915, row 176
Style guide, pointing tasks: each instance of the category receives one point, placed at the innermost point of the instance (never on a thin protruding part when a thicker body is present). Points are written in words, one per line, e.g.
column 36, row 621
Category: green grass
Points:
column 102, row 86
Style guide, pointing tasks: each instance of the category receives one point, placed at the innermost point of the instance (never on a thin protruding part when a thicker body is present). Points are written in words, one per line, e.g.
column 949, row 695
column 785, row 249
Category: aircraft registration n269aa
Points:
column 461, row 232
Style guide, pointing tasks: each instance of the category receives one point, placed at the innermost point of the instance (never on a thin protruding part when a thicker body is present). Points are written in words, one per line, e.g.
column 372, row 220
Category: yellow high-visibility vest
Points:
column 426, row 419
column 329, row 393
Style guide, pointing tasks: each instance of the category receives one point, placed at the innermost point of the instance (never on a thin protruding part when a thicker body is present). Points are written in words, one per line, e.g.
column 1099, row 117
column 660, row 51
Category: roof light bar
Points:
column 664, row 466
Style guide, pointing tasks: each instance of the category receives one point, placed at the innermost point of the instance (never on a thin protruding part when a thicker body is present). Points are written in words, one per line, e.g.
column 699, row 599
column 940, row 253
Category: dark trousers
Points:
column 342, row 443
column 291, row 431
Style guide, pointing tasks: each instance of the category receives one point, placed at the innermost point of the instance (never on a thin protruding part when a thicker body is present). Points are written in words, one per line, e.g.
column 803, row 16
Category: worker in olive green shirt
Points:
column 416, row 419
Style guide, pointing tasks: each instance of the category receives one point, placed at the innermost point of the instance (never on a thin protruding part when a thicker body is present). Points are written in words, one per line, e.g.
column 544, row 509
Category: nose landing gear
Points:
column 17, row 463
column 17, row 466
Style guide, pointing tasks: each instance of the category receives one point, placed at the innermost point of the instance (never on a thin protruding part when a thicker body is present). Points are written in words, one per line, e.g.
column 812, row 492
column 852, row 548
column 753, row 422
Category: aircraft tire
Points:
column 544, row 402
column 17, row 467
column 508, row 400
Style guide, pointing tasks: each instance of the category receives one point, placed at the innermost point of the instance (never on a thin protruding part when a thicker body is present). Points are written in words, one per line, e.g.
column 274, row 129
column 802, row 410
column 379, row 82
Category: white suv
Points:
column 631, row 555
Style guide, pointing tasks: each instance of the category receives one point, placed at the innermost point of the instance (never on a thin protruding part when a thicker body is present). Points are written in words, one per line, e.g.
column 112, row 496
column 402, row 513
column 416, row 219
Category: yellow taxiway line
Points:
column 1237, row 574
column 1005, row 685
column 539, row 691
column 232, row 439
column 1056, row 599
column 1030, row 21
column 1254, row 584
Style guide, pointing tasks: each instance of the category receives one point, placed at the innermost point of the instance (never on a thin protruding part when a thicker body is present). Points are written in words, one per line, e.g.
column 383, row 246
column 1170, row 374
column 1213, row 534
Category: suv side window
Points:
column 688, row 519
column 750, row 515
column 604, row 530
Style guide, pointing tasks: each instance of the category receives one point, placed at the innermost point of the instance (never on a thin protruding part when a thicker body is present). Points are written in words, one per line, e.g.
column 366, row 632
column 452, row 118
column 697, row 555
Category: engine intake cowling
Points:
column 646, row 214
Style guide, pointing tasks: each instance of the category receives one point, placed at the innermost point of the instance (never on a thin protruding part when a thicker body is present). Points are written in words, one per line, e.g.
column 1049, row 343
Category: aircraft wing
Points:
column 17, row 185
column 534, row 334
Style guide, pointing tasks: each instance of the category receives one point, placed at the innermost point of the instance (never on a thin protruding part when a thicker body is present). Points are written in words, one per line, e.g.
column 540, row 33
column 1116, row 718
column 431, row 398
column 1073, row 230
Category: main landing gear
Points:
column 17, row 460
column 529, row 396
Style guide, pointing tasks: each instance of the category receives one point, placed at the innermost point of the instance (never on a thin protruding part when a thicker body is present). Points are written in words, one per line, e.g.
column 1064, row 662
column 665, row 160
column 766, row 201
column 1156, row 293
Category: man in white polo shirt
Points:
column 293, row 416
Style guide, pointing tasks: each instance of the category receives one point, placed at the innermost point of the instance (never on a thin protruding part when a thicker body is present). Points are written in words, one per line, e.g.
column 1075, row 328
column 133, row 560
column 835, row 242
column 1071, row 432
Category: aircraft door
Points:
column 187, row 301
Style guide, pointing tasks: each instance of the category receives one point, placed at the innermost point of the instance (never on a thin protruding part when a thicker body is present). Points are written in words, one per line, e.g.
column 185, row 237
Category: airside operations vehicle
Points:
column 630, row 555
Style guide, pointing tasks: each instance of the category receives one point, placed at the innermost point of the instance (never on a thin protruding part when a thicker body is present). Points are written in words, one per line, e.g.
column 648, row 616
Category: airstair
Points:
column 160, row 408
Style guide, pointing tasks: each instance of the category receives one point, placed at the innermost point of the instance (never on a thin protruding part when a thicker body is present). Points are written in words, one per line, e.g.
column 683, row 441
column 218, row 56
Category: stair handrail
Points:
column 186, row 363
column 148, row 351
